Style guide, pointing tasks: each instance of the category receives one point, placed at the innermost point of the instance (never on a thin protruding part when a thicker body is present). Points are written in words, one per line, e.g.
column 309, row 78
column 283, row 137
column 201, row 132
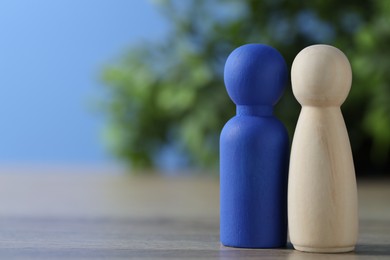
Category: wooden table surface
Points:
column 70, row 215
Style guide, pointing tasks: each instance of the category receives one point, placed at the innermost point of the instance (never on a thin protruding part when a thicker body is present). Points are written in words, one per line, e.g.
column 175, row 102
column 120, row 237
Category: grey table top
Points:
column 114, row 216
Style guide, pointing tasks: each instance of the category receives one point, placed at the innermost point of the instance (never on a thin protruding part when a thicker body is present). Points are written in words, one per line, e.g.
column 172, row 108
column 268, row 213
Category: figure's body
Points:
column 253, row 203
column 254, row 151
column 322, row 196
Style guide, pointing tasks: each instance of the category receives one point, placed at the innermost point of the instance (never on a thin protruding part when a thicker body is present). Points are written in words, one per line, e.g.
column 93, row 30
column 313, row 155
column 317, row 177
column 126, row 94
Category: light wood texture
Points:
column 51, row 215
column 321, row 76
column 322, row 196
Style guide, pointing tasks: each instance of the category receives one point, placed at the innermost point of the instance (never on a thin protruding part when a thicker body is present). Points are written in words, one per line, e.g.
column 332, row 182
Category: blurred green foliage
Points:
column 171, row 93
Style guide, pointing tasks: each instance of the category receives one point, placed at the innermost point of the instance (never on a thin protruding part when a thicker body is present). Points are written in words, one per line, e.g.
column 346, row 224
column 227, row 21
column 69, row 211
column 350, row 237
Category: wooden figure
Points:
column 254, row 151
column 322, row 195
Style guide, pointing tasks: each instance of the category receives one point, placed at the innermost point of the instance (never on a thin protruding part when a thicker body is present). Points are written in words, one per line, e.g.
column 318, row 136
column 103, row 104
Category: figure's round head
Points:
column 255, row 74
column 321, row 76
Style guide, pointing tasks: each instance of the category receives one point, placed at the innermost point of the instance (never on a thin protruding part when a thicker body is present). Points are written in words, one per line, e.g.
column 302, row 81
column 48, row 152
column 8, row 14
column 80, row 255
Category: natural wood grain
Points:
column 322, row 196
column 116, row 216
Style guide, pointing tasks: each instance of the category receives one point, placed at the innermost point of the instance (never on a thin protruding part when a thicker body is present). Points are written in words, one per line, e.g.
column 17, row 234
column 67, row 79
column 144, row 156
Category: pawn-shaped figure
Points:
column 254, row 151
column 322, row 195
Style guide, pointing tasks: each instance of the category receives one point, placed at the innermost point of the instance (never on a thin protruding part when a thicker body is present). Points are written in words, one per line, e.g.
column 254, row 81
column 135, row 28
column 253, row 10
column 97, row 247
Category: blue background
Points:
column 51, row 57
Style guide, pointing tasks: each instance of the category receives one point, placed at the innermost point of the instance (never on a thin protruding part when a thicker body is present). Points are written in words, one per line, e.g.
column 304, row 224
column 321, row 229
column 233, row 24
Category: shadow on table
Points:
column 362, row 251
column 252, row 253
column 373, row 250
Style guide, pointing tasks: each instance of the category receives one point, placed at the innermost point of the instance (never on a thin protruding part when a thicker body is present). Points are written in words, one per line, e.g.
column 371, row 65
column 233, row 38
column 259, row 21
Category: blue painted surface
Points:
column 254, row 151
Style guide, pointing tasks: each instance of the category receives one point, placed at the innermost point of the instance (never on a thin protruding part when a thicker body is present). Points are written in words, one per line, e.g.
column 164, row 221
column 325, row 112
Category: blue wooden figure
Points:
column 254, row 151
